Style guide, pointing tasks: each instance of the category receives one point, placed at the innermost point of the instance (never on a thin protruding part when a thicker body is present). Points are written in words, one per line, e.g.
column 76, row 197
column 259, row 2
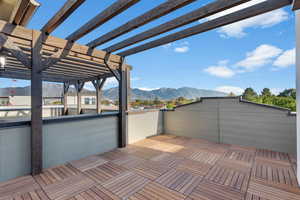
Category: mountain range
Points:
column 55, row 90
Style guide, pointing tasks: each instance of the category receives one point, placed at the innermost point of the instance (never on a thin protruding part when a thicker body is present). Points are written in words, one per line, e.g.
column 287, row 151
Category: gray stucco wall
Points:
column 144, row 124
column 62, row 142
column 195, row 120
column 227, row 120
column 14, row 152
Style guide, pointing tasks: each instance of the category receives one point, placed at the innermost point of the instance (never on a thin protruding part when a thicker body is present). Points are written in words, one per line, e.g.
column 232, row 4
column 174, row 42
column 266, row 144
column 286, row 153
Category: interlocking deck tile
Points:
column 87, row 163
column 126, row 184
column 272, row 155
column 168, row 159
column 113, row 155
column 68, row 187
column 105, row 172
column 166, row 147
column 37, row 194
column 154, row 191
column 150, row 169
column 275, row 173
column 240, row 156
column 18, row 186
column 194, row 167
column 235, row 147
column 129, row 161
column 56, row 174
column 95, row 193
column 211, row 191
column 230, row 175
column 254, row 197
column 146, row 153
column 265, row 191
column 205, row 157
column 180, row 181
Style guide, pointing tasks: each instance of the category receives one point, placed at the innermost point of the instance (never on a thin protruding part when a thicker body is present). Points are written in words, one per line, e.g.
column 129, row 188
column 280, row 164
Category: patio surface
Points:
column 165, row 167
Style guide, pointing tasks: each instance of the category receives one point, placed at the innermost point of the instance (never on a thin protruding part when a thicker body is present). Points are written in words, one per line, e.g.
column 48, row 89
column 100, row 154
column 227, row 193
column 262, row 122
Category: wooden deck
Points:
column 165, row 167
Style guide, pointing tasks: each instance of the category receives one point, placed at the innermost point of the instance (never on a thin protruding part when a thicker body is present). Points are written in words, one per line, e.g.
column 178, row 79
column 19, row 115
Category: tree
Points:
column 249, row 94
column 288, row 93
column 231, row 94
column 266, row 92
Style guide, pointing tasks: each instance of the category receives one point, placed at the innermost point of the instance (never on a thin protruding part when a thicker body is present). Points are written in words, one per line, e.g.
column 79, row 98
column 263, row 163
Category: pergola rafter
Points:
column 37, row 56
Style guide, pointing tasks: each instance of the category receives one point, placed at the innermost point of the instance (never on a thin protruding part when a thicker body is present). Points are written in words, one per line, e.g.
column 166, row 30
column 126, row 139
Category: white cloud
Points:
column 166, row 46
column 182, row 49
column 276, row 91
column 261, row 56
column 286, row 59
column 220, row 70
column 261, row 21
column 148, row 89
column 228, row 89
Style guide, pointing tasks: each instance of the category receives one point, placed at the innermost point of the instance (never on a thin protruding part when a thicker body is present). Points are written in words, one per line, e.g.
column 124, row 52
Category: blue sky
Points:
column 258, row 52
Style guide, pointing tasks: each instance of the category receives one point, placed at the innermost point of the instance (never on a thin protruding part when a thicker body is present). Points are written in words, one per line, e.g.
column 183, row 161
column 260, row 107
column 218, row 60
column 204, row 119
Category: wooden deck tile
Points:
column 205, row 157
column 18, row 186
column 146, row 153
column 68, row 187
column 154, row 191
column 272, row 155
column 240, row 156
column 105, row 172
column 230, row 175
column 56, row 174
column 265, row 191
column 113, row 155
column 211, row 191
column 275, row 173
column 37, row 194
column 151, row 169
column 194, row 167
column 168, row 160
column 88, row 163
column 126, row 184
column 180, row 181
column 95, row 193
column 129, row 161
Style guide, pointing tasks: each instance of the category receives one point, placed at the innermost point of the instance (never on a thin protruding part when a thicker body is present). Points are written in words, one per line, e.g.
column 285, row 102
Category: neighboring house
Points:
column 4, row 101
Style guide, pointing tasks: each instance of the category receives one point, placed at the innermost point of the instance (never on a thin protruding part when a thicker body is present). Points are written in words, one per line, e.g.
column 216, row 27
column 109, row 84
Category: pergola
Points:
column 37, row 56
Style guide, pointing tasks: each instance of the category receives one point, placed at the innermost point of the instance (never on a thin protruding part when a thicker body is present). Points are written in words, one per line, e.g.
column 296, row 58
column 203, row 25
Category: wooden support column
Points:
column 98, row 84
column 66, row 89
column 79, row 86
column 123, row 105
column 36, row 105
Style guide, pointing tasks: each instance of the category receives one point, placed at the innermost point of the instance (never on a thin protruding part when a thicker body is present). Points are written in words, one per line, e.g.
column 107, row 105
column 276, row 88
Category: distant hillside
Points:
column 55, row 90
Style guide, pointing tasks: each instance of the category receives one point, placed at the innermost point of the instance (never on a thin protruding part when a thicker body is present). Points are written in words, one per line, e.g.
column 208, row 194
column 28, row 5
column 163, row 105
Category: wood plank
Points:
column 23, row 12
column 110, row 12
column 36, row 105
column 252, row 11
column 193, row 16
column 147, row 17
column 296, row 5
column 62, row 14
column 8, row 45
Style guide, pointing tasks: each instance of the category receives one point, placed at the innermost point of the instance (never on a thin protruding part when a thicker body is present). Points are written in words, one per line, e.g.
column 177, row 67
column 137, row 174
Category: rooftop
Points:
column 165, row 167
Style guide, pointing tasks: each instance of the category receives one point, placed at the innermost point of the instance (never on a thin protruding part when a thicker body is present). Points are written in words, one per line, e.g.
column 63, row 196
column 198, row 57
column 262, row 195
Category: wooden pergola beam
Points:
column 79, row 86
column 296, row 5
column 8, row 45
column 252, row 11
column 98, row 84
column 69, row 7
column 110, row 12
column 147, row 17
column 205, row 11
column 23, row 12
column 65, row 97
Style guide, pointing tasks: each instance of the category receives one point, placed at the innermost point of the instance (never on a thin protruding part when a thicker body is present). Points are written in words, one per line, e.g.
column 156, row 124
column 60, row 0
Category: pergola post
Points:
column 36, row 105
column 98, row 84
column 79, row 86
column 297, row 16
column 123, row 104
column 65, row 97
